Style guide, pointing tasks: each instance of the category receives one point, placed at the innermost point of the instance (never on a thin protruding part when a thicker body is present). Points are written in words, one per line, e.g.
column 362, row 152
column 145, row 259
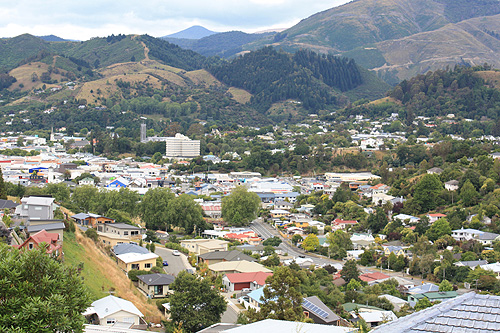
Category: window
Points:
column 30, row 246
column 38, row 208
column 147, row 265
column 125, row 233
column 110, row 321
column 135, row 266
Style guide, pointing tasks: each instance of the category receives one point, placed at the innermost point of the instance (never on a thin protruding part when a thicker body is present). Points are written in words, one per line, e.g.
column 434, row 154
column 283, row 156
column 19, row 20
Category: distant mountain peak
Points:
column 52, row 38
column 194, row 32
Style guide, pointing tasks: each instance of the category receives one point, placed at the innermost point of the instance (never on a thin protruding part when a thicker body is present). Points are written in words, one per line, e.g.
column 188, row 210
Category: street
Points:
column 175, row 263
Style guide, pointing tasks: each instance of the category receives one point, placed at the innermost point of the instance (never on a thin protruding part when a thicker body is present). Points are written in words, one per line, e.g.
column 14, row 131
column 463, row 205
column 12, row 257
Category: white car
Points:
column 176, row 253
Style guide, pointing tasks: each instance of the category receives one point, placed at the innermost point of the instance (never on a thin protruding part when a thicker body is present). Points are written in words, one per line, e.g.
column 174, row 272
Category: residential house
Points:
column 119, row 183
column 112, row 239
column 212, row 210
column 434, row 217
column 220, row 256
column 279, row 213
column 121, row 229
column 466, row 313
column 432, row 296
column 155, row 285
column 249, row 237
column 238, row 281
column 56, row 227
column 87, row 181
column 128, row 248
column 373, row 278
column 241, row 266
column 425, row 288
column 494, row 267
column 406, row 219
column 361, row 241
column 255, row 249
column 36, row 208
column 114, row 311
column 397, row 250
column 451, row 185
column 397, row 302
column 282, row 205
column 316, row 310
column 129, row 261
column 200, row 246
column 435, row 171
column 483, row 237
column 342, row 224
column 381, row 198
column 7, row 204
column 471, row 264
column 372, row 315
column 52, row 241
column 91, row 220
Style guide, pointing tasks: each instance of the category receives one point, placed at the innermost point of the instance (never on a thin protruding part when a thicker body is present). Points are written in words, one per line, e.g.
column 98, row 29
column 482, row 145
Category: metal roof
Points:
column 128, row 248
column 110, row 304
column 156, row 279
column 469, row 313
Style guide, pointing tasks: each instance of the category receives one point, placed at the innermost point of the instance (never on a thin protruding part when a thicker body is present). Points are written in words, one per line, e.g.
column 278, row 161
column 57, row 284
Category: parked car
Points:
column 165, row 263
column 176, row 253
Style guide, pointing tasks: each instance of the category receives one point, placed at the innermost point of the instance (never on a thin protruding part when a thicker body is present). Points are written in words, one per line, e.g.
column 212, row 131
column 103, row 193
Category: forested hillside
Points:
column 465, row 92
column 273, row 76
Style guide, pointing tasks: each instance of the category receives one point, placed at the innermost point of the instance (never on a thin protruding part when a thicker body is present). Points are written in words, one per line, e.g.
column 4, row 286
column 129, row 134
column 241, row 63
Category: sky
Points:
column 83, row 19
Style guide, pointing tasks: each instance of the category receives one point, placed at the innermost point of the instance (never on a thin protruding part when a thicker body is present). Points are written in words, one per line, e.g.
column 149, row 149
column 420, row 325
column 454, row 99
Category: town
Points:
column 342, row 226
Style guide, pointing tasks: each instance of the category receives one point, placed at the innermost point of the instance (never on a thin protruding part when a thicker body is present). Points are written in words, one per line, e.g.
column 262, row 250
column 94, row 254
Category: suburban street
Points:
column 175, row 263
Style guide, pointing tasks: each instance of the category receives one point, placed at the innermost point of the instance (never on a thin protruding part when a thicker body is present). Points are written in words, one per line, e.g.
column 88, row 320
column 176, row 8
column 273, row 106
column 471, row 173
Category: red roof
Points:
column 368, row 277
column 258, row 277
column 339, row 221
column 437, row 215
column 43, row 237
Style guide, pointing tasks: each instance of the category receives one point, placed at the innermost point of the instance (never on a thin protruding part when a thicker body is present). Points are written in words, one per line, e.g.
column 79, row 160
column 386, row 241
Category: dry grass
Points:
column 203, row 77
column 491, row 76
column 23, row 76
column 124, row 288
column 239, row 95
column 384, row 100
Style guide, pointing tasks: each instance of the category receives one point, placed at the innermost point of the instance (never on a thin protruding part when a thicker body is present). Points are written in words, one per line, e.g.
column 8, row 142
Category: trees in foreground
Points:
column 240, row 207
column 39, row 294
column 194, row 304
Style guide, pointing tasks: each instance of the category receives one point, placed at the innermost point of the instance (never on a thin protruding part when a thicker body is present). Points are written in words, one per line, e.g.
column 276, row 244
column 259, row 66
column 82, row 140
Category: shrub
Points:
column 134, row 273
column 92, row 234
column 176, row 246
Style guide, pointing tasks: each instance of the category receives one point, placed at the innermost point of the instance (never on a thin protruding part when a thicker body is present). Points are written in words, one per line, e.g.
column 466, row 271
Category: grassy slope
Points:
column 100, row 273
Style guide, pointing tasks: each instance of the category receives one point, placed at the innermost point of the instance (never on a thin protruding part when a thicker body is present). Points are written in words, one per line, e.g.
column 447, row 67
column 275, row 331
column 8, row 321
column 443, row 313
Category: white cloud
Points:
column 85, row 19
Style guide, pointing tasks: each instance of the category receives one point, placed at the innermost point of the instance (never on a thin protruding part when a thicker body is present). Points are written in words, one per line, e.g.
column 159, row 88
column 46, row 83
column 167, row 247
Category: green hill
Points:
column 14, row 50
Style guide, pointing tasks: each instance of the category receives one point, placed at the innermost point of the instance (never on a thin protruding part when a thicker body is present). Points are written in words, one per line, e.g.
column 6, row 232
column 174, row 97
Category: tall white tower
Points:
column 143, row 133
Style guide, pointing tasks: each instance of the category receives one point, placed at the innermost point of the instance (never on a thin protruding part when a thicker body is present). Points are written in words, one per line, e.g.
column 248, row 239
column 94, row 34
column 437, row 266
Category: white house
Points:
column 485, row 238
column 114, row 311
column 451, row 185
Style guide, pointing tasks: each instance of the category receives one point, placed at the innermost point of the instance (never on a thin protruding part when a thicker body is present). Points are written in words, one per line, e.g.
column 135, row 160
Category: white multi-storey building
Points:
column 182, row 146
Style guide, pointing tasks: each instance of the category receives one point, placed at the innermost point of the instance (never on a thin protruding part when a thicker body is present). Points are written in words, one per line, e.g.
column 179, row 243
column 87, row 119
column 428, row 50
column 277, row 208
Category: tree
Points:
column 445, row 285
column 311, row 242
column 273, row 241
column 438, row 229
column 377, row 221
column 183, row 212
column 339, row 242
column 296, row 239
column 5, row 236
column 427, row 191
column 423, row 303
column 154, row 207
column 84, row 197
column 240, row 207
column 282, row 299
column 350, row 271
column 60, row 191
column 194, row 303
column 468, row 194
column 3, row 189
column 41, row 295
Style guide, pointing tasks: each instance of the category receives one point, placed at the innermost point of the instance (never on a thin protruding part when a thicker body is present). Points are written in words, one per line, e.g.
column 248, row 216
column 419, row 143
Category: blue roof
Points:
column 257, row 294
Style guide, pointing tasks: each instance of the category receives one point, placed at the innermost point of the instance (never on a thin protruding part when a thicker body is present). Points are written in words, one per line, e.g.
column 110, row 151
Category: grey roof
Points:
column 488, row 236
column 233, row 255
column 80, row 216
column 469, row 313
column 123, row 226
column 315, row 305
column 218, row 327
column 156, row 279
column 47, row 227
column 129, row 248
column 472, row 263
column 7, row 204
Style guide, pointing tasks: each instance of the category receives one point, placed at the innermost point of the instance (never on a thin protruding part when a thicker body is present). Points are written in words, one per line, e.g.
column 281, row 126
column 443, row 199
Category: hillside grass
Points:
column 239, row 95
column 202, row 77
column 493, row 77
column 100, row 273
column 23, row 76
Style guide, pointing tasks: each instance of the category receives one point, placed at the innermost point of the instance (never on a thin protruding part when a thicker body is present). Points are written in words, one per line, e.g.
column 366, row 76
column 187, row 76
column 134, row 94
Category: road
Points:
column 230, row 316
column 265, row 230
column 175, row 263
